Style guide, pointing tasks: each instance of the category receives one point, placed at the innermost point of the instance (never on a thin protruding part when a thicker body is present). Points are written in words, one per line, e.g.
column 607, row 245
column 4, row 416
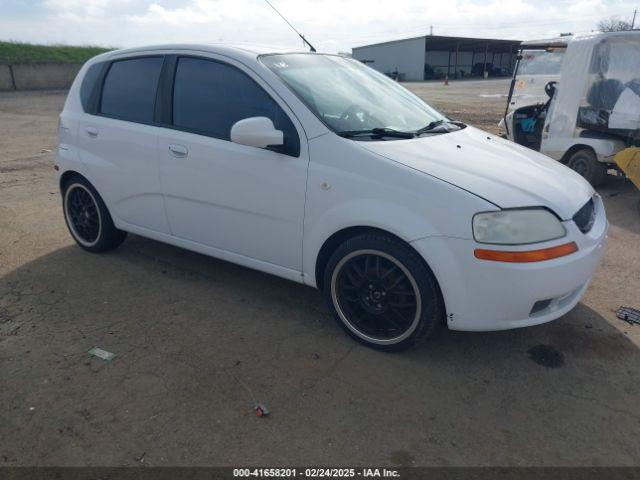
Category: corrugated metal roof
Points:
column 446, row 39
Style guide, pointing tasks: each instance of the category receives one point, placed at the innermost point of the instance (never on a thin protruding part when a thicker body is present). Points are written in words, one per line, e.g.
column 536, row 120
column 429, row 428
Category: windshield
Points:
column 535, row 70
column 541, row 62
column 351, row 97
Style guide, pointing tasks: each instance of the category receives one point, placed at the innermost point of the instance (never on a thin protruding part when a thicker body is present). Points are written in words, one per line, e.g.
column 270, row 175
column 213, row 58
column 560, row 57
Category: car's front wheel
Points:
column 382, row 293
column 87, row 217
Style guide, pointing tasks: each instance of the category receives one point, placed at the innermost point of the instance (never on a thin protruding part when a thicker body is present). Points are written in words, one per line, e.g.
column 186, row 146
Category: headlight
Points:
column 517, row 227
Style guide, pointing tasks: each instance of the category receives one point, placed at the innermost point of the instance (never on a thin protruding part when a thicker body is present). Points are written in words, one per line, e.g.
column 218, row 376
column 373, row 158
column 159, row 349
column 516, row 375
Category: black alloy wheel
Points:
column 376, row 295
column 83, row 215
column 88, row 218
column 382, row 292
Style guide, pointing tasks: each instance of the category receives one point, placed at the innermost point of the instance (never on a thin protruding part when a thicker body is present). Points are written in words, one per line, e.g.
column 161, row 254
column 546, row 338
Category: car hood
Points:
column 502, row 172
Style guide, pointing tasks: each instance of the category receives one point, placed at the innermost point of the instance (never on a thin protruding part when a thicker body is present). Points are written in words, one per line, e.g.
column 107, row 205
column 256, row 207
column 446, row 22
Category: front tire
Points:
column 586, row 163
column 87, row 217
column 382, row 293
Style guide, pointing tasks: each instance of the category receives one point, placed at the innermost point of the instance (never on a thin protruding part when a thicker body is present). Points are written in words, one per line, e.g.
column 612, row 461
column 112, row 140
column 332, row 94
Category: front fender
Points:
column 349, row 186
column 367, row 212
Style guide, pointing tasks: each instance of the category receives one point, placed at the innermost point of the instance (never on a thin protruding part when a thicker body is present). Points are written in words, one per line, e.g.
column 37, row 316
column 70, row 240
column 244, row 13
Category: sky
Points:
column 331, row 25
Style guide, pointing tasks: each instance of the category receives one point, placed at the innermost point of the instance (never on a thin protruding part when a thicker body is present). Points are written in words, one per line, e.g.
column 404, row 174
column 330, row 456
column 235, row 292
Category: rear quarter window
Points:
column 129, row 90
column 89, row 85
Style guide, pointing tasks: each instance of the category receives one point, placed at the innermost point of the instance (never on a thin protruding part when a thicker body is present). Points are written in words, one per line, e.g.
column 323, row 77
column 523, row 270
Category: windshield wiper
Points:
column 377, row 132
column 439, row 123
column 431, row 126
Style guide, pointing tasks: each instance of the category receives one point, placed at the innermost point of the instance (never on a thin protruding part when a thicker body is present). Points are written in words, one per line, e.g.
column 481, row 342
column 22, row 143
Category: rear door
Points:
column 244, row 200
column 118, row 141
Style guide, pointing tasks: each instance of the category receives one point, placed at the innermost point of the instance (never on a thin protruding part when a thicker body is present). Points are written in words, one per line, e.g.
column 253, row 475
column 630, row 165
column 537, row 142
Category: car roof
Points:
column 233, row 50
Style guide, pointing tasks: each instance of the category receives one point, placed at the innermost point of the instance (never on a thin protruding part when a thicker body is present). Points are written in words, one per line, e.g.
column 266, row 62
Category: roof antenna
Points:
column 311, row 47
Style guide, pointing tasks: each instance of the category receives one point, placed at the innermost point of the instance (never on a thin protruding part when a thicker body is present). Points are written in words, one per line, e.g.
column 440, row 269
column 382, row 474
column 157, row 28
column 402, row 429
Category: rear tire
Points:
column 586, row 163
column 87, row 217
column 382, row 293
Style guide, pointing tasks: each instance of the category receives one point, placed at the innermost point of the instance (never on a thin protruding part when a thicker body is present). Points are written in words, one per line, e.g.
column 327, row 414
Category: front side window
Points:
column 348, row 96
column 210, row 96
column 129, row 91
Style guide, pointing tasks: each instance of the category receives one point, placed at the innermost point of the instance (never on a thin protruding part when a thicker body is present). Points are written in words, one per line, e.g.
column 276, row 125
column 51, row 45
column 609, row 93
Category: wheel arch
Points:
column 108, row 237
column 338, row 238
column 68, row 175
column 575, row 148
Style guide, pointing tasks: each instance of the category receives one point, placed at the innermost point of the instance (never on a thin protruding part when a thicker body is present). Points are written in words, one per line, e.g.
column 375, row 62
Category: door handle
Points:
column 91, row 131
column 179, row 151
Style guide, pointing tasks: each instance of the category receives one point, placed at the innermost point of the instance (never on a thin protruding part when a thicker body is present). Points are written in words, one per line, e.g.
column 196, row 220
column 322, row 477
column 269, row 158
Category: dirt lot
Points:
column 478, row 102
column 192, row 335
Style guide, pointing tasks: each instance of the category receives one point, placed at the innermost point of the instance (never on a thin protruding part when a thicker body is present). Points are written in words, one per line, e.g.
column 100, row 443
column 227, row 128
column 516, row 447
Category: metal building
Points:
column 433, row 57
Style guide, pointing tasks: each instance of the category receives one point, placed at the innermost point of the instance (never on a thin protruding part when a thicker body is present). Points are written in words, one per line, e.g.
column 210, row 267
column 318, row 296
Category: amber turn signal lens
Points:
column 528, row 255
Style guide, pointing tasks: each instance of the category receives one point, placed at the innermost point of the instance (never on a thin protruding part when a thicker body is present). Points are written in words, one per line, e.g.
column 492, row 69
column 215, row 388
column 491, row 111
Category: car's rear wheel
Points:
column 382, row 293
column 87, row 217
column 586, row 163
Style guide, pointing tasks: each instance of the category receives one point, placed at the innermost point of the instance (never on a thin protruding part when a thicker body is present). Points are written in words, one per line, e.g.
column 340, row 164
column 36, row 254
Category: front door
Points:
column 243, row 200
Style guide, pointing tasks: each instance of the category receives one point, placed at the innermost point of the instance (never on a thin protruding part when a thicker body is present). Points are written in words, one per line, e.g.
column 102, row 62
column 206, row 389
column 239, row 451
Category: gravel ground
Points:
column 478, row 102
column 196, row 338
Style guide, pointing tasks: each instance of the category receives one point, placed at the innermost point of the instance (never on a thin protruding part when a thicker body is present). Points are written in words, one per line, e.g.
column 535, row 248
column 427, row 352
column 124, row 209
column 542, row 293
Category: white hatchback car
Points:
column 320, row 170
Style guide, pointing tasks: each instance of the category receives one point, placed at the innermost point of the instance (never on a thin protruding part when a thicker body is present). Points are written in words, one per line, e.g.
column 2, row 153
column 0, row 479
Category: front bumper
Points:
column 483, row 295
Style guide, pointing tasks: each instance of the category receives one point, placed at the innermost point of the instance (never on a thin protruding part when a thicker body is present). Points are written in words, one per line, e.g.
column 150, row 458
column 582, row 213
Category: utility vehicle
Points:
column 590, row 109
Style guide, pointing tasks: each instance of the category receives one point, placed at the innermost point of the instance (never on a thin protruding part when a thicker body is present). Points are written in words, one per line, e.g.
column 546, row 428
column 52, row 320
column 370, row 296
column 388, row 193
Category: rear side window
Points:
column 89, row 84
column 209, row 97
column 129, row 91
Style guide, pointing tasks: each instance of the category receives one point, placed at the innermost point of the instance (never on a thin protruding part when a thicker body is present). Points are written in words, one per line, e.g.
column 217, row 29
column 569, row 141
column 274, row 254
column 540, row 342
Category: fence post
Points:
column 13, row 78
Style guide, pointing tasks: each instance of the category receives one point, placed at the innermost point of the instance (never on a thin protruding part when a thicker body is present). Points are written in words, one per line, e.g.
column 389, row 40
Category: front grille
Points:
column 585, row 217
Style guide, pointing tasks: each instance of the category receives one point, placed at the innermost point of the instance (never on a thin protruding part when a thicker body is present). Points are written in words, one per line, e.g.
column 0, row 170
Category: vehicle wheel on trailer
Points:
column 586, row 163
column 87, row 217
column 382, row 293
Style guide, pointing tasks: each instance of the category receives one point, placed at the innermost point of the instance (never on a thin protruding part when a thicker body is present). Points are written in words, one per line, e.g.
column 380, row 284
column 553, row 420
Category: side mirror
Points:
column 256, row 132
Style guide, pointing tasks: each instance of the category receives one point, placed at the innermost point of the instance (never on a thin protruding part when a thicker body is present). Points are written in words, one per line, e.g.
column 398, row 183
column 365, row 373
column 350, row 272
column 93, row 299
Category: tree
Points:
column 613, row 24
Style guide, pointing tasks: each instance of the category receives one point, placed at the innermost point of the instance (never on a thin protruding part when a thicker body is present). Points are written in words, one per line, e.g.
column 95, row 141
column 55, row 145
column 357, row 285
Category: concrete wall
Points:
column 405, row 55
column 38, row 76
